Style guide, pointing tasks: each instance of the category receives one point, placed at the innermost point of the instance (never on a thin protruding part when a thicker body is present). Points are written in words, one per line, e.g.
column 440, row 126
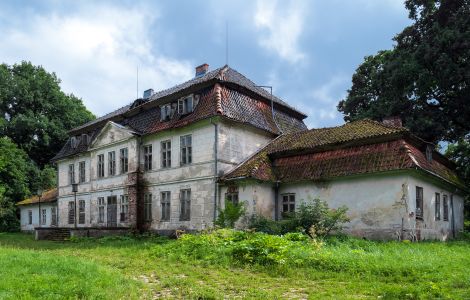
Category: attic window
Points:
column 165, row 112
column 429, row 153
column 185, row 105
column 73, row 142
column 85, row 138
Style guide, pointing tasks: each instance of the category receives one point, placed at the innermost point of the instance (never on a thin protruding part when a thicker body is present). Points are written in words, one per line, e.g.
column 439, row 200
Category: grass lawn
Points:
column 145, row 268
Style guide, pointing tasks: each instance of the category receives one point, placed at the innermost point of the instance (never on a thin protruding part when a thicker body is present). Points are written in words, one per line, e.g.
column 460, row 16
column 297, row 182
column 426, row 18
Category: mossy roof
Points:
column 46, row 197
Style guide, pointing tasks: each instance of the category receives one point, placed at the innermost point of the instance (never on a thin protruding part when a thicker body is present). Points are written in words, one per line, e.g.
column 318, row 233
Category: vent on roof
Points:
column 202, row 70
column 148, row 93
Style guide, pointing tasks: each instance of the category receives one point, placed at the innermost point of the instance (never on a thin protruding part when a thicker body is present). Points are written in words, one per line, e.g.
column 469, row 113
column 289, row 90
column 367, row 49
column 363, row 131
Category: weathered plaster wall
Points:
column 24, row 219
column 237, row 142
column 429, row 227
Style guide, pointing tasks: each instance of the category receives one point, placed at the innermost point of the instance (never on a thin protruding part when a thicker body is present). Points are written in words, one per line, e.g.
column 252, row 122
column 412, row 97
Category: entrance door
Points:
column 112, row 211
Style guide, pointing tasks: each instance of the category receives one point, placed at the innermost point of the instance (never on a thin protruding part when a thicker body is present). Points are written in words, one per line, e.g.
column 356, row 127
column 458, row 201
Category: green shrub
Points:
column 315, row 219
column 8, row 219
column 230, row 214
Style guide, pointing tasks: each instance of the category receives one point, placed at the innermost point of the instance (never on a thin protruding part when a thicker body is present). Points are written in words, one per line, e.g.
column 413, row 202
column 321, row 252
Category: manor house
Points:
column 172, row 159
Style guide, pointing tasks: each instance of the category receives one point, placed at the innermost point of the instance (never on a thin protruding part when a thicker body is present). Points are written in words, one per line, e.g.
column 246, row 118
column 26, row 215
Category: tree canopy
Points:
column 424, row 79
column 35, row 113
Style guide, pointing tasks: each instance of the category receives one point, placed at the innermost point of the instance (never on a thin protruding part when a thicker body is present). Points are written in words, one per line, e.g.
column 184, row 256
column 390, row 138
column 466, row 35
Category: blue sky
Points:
column 307, row 50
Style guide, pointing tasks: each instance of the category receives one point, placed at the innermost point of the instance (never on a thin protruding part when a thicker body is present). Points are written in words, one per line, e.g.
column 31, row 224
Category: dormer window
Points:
column 73, row 142
column 429, row 153
column 85, row 138
column 185, row 105
column 165, row 112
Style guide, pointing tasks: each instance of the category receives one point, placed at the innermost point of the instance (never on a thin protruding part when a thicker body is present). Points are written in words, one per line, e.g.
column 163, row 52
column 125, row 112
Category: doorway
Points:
column 112, row 211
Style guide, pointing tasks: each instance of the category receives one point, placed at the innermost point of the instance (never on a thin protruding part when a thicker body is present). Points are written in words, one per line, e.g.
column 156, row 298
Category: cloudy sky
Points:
column 307, row 50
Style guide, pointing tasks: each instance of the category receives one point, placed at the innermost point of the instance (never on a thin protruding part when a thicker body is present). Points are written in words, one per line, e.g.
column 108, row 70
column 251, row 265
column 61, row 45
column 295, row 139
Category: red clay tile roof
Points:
column 355, row 148
column 47, row 197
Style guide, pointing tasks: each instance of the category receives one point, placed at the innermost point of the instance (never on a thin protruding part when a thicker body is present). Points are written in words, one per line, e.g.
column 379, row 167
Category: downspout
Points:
column 452, row 212
column 216, row 184
column 276, row 201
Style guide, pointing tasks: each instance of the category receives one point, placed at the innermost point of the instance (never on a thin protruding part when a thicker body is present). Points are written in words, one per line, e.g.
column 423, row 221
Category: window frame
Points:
column 183, row 105
column 71, row 213
column 165, row 201
column 124, row 208
column 445, row 203
column 165, row 154
column 185, row 205
column 437, row 206
column 419, row 213
column 30, row 217
column 186, row 149
column 148, row 207
column 232, row 197
column 101, row 210
column 100, row 166
column 148, row 156
column 53, row 216
column 82, row 171
column 290, row 202
column 81, row 212
column 71, row 174
column 124, row 160
column 111, row 163
column 43, row 220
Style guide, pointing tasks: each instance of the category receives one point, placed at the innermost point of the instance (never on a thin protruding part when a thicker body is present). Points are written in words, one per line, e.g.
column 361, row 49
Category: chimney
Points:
column 393, row 121
column 148, row 93
column 202, row 70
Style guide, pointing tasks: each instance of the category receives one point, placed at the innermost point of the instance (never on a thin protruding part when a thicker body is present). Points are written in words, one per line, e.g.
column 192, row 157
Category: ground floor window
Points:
column 71, row 217
column 43, row 216
column 446, row 208
column 166, row 205
column 232, row 195
column 419, row 202
column 288, row 203
column 185, row 199
column 101, row 209
column 30, row 217
column 148, row 207
column 438, row 206
column 53, row 216
column 81, row 212
column 124, row 208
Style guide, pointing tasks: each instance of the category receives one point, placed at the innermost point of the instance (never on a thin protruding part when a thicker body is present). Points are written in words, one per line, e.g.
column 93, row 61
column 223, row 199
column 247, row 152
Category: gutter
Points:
column 216, row 180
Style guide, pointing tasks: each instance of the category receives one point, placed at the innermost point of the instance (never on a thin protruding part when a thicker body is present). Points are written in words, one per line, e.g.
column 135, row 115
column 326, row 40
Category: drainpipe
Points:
column 452, row 212
column 216, row 184
column 276, row 201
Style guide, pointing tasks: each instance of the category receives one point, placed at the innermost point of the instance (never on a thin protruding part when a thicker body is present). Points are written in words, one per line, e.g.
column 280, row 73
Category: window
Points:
column 438, row 206
column 81, row 212
column 53, row 216
column 148, row 207
column 232, row 197
column 166, row 154
column 185, row 105
column 71, row 212
column 429, row 153
column 81, row 172
column 100, row 168
column 43, row 216
column 165, row 112
column 186, row 149
column 101, row 205
column 166, row 205
column 124, row 208
column 185, row 198
column 30, row 217
column 124, row 160
column 71, row 173
column 419, row 202
column 148, row 157
column 446, row 208
column 288, row 203
column 111, row 163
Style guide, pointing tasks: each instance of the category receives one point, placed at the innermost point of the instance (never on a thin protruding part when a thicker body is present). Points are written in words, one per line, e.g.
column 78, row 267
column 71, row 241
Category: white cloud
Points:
column 323, row 101
column 95, row 51
column 281, row 27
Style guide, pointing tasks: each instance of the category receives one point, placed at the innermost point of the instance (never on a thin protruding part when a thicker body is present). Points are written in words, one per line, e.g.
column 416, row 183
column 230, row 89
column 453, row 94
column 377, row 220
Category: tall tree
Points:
column 425, row 78
column 35, row 113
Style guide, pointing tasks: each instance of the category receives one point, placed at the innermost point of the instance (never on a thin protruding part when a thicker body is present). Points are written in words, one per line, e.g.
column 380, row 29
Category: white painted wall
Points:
column 24, row 220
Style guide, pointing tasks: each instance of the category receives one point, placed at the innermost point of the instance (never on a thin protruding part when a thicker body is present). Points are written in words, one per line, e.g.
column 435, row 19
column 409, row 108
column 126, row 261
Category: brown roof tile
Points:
column 47, row 197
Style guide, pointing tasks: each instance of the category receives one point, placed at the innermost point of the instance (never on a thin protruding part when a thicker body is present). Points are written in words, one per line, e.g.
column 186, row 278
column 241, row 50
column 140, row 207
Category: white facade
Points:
column 381, row 206
column 235, row 142
column 30, row 216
